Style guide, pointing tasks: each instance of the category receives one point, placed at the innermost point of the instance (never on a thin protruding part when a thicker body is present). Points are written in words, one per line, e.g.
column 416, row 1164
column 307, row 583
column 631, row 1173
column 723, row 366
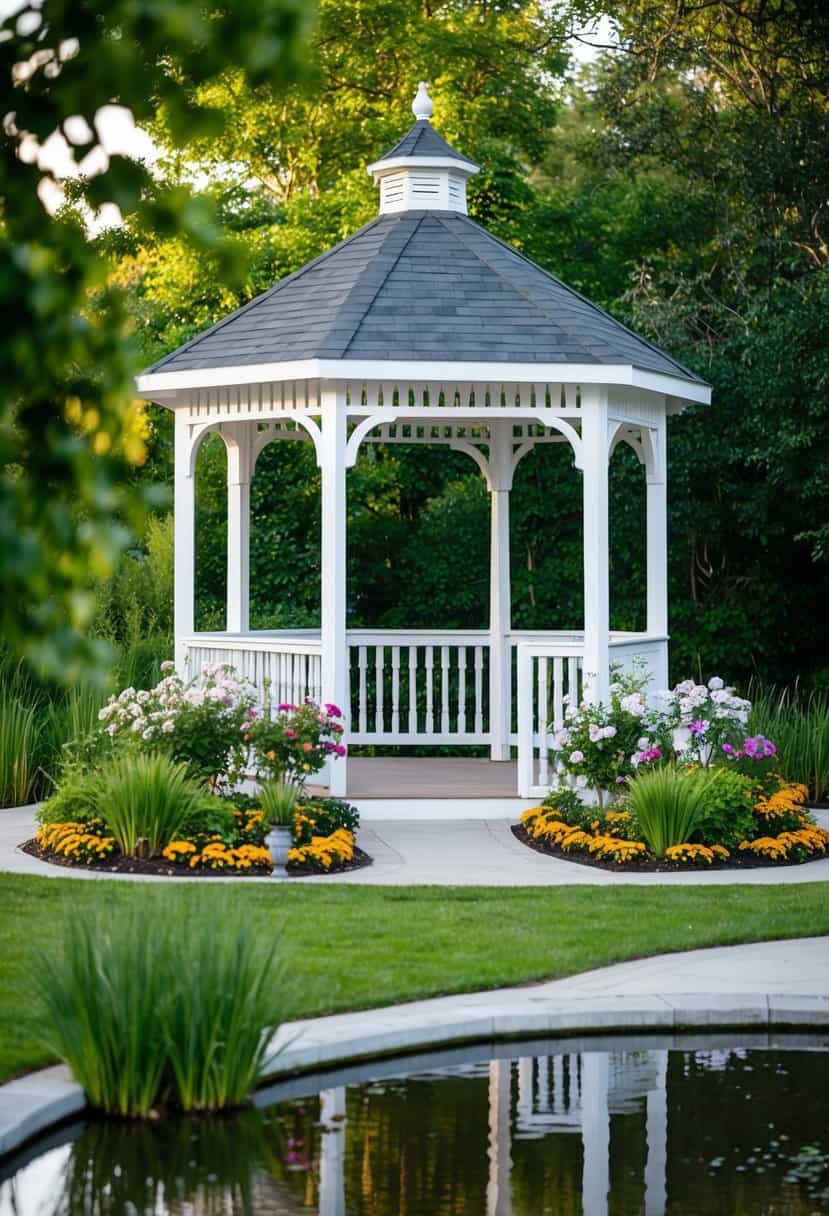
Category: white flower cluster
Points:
column 712, row 700
column 152, row 713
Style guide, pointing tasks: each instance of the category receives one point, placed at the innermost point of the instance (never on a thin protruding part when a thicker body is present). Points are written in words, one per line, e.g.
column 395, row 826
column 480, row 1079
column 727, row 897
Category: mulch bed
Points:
column 163, row 869
column 652, row 865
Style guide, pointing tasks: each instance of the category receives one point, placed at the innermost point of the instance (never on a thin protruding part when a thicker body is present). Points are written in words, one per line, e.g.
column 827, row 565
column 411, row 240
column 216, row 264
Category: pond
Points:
column 579, row 1129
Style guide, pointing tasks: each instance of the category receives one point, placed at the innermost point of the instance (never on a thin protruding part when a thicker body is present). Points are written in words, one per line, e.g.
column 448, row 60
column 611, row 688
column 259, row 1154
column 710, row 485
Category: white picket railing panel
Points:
column 281, row 671
column 549, row 676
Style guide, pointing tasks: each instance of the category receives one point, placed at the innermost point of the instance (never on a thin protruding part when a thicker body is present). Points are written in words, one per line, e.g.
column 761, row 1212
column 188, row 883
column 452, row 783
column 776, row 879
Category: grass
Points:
column 146, row 1014
column 798, row 724
column 357, row 947
column 145, row 798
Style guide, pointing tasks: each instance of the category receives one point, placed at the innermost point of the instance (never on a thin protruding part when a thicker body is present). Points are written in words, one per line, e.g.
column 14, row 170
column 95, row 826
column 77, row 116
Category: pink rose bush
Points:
column 291, row 742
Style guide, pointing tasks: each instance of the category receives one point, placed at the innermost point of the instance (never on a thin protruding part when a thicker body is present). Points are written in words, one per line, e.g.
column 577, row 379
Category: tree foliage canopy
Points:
column 680, row 180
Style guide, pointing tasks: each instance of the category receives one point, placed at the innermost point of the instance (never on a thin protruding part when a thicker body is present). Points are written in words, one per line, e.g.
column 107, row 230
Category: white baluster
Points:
column 558, row 694
column 379, row 661
column 395, row 690
column 543, row 765
column 430, row 691
column 412, row 723
column 461, row 690
column 362, row 707
column 573, row 681
column 479, row 681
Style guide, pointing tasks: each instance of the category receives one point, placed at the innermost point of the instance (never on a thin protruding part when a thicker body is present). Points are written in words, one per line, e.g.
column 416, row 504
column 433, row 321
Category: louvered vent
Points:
column 457, row 192
column 392, row 191
column 425, row 187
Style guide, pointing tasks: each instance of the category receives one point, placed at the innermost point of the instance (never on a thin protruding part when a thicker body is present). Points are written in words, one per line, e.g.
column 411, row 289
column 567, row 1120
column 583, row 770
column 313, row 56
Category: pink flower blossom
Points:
column 333, row 711
column 290, row 733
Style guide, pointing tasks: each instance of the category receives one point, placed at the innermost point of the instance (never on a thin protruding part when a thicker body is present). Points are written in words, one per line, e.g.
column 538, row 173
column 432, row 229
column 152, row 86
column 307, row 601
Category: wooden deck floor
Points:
column 430, row 777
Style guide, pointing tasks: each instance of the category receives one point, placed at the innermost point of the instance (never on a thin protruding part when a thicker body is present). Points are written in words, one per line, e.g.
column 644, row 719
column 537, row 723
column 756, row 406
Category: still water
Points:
column 723, row 1129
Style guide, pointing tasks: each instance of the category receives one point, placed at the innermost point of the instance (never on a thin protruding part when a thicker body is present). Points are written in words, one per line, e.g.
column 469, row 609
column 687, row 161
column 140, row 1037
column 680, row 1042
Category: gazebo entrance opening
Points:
column 498, row 688
column 422, row 328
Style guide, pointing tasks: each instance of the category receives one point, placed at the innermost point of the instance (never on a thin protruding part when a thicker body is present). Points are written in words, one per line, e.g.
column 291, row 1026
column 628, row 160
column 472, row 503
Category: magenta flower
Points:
column 699, row 727
column 339, row 748
column 333, row 711
column 291, row 733
column 285, row 707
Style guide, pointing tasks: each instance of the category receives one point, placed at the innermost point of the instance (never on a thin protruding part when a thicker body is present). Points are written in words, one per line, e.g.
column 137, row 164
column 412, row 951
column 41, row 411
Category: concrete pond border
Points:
column 35, row 1103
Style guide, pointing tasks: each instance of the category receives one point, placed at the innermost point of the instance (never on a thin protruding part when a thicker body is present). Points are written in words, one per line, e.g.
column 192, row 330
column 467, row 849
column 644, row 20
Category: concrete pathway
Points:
column 451, row 852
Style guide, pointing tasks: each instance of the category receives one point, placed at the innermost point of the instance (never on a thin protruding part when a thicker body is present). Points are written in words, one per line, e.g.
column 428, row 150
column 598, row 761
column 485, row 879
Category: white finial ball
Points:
column 422, row 106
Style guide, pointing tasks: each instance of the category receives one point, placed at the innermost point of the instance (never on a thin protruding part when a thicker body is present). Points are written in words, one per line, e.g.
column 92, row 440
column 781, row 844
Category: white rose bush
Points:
column 600, row 746
column 202, row 723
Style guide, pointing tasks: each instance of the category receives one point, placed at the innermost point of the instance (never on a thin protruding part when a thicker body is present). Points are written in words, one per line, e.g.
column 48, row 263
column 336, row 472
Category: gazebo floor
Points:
column 430, row 777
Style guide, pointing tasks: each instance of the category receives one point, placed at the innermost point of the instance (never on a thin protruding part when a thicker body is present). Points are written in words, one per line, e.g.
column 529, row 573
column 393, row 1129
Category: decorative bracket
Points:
column 360, row 431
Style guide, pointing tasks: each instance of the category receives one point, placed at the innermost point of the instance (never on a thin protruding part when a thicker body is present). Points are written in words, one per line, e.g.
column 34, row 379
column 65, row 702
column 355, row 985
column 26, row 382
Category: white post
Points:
column 656, row 1127
column 239, row 442
column 332, row 1152
column 657, row 547
column 595, row 1134
column 498, row 1190
column 500, row 610
column 333, row 568
column 184, row 542
column 596, row 548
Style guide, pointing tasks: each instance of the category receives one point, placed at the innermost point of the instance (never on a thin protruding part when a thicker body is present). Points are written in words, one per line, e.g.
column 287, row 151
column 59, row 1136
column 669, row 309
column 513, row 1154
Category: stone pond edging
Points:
column 31, row 1104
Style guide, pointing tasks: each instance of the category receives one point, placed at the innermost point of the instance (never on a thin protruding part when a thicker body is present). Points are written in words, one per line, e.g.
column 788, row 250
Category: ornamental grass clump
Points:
column 666, row 804
column 278, row 800
column 152, row 1014
column 146, row 801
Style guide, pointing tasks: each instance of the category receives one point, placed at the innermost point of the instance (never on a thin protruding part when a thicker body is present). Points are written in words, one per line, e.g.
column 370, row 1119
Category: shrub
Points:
column 146, row 1014
column 294, row 741
column 76, row 798
column 201, row 724
column 666, row 804
column 727, row 815
column 146, row 798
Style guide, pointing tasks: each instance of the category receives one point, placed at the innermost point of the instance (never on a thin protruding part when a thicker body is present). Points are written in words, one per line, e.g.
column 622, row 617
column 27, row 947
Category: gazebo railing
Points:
column 549, row 676
column 419, row 686
column 432, row 686
column 287, row 668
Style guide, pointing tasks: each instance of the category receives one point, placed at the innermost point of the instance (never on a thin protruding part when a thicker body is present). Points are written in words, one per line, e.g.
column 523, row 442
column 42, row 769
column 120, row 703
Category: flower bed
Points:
column 156, row 789
column 608, row 838
column 670, row 780
column 323, row 843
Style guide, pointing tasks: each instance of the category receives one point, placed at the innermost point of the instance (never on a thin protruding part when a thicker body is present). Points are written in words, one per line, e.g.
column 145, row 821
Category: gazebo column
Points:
column 239, row 441
column 184, row 540
column 656, row 545
column 332, row 458
column 500, row 606
column 594, row 439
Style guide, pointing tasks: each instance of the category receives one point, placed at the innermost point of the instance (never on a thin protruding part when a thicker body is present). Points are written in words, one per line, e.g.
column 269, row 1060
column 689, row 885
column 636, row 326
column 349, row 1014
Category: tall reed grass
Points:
column 667, row 803
column 151, row 1012
column 20, row 731
column 798, row 724
column 145, row 799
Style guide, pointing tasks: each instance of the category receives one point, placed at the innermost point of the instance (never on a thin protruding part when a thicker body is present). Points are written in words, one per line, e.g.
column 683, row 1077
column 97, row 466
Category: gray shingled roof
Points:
column 423, row 140
column 420, row 285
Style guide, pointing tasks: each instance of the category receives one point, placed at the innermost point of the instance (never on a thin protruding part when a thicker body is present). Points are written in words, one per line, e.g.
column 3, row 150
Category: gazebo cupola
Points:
column 422, row 172
column 424, row 329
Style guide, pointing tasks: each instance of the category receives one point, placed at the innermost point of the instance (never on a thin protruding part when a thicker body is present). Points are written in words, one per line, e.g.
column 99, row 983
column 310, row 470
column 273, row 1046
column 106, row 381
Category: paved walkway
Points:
column 452, row 852
column 761, row 988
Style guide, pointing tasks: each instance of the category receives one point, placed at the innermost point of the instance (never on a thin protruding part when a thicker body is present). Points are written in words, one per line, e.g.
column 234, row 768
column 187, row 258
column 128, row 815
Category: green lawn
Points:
column 351, row 947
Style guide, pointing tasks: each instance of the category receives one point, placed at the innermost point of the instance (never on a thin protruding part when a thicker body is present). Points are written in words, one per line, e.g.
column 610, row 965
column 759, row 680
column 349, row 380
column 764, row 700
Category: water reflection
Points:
column 590, row 1133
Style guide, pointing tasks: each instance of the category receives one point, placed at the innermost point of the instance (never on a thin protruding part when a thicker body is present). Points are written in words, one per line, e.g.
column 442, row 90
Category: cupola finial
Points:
column 422, row 106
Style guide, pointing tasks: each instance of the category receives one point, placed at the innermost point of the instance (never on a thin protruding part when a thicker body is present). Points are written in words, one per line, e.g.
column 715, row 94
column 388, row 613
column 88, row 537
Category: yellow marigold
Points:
column 789, row 800
column 690, row 853
column 178, row 848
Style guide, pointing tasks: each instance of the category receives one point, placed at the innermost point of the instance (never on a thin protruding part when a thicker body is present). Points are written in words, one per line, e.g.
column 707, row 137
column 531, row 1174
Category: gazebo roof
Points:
column 423, row 285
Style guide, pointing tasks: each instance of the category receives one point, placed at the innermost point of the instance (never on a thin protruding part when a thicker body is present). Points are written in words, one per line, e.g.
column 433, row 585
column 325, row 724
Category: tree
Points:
column 69, row 428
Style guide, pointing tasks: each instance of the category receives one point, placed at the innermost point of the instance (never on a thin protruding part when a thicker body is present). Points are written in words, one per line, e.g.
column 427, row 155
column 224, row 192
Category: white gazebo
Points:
column 422, row 328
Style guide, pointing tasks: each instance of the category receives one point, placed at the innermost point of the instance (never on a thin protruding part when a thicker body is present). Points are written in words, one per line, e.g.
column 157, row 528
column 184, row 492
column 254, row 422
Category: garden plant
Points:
column 157, row 786
column 671, row 778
